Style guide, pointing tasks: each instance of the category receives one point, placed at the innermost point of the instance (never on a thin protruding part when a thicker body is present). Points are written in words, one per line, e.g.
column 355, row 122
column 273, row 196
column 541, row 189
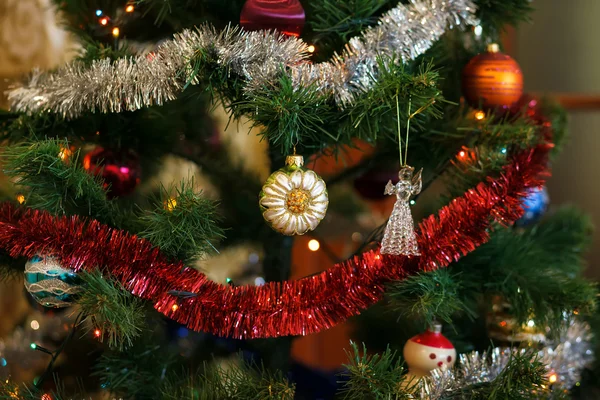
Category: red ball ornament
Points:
column 120, row 169
column 492, row 80
column 428, row 351
column 286, row 16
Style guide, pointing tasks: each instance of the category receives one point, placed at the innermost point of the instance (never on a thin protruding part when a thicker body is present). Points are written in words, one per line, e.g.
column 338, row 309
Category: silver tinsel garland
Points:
column 565, row 360
column 129, row 84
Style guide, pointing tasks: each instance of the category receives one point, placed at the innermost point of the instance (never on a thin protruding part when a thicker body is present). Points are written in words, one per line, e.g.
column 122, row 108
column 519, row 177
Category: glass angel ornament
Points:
column 399, row 237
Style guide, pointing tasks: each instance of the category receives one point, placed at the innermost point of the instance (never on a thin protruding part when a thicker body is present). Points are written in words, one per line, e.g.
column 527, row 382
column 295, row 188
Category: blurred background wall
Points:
column 559, row 53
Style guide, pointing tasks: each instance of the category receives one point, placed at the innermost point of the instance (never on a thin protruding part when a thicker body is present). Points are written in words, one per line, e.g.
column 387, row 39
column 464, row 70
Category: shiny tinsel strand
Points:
column 566, row 359
column 129, row 84
column 275, row 309
column 406, row 31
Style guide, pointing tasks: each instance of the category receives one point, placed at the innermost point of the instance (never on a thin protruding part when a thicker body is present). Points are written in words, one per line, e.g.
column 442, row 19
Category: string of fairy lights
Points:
column 113, row 23
column 114, row 26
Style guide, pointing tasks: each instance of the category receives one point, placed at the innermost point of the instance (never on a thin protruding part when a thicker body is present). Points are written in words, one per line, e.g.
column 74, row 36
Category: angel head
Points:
column 406, row 173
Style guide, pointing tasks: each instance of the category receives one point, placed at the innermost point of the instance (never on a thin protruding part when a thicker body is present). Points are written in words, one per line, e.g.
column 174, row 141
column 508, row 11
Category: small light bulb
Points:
column 104, row 21
column 478, row 30
column 314, row 245
column 64, row 153
column 530, row 323
column 503, row 150
column 115, row 32
column 46, row 396
column 479, row 115
column 174, row 307
column 462, row 154
column 170, row 204
column 35, row 325
column 20, row 198
column 311, row 48
column 129, row 8
column 98, row 13
column 33, row 346
column 552, row 378
column 97, row 333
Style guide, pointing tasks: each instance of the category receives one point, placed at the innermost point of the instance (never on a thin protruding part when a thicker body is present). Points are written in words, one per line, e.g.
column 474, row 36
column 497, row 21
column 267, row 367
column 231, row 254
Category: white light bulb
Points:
column 314, row 245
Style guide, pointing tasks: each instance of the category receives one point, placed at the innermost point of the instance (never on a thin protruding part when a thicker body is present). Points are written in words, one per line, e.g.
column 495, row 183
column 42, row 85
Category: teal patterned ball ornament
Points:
column 49, row 283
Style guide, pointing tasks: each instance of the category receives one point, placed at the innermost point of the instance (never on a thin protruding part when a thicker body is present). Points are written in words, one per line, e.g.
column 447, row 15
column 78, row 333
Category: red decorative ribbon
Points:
column 277, row 308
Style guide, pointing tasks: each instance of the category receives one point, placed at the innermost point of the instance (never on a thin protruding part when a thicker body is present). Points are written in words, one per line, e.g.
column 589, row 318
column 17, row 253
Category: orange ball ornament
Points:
column 492, row 80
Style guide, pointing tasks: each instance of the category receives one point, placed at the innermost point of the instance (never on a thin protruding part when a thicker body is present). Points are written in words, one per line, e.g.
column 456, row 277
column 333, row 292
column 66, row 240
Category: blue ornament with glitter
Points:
column 535, row 205
column 49, row 283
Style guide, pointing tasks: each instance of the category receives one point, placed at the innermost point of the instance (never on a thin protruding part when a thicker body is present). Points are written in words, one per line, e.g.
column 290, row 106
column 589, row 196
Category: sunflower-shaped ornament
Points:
column 294, row 199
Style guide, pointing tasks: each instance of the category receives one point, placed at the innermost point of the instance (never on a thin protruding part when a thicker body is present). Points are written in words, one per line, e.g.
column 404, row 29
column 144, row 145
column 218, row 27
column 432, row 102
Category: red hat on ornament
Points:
column 429, row 350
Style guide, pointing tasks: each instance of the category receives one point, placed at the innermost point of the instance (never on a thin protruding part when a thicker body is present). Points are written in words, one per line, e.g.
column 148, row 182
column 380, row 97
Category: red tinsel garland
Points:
column 277, row 308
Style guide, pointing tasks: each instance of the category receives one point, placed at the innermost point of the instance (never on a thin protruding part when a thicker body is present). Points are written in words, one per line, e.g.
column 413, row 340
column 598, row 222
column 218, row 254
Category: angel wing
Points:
column 417, row 182
column 389, row 188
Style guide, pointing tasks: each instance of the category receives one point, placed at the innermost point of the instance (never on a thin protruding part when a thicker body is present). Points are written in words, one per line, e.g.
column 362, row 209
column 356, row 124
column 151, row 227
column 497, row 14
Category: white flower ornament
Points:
column 294, row 199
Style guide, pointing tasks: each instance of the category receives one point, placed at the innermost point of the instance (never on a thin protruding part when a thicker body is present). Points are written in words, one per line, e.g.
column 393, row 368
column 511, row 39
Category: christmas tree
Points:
column 165, row 183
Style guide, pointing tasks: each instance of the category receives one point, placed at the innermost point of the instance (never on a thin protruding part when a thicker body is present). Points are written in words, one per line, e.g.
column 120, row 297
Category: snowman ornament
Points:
column 428, row 351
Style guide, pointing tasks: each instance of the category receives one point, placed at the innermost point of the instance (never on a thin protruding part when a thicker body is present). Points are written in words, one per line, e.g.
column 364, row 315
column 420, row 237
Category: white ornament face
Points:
column 295, row 202
column 423, row 359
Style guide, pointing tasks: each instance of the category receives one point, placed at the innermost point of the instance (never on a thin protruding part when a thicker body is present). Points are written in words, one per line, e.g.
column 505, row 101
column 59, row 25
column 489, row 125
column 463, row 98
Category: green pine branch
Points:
column 485, row 146
column 10, row 390
column 116, row 313
column 557, row 116
column 291, row 115
column 333, row 22
column 495, row 15
column 182, row 224
column 521, row 379
column 374, row 114
column 237, row 380
column 377, row 376
column 137, row 373
column 537, row 271
column 52, row 179
column 303, row 115
column 380, row 376
column 429, row 297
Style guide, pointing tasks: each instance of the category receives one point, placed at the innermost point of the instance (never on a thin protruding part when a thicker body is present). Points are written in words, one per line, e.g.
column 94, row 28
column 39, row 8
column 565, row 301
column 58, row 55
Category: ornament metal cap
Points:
column 294, row 160
column 493, row 48
column 436, row 327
